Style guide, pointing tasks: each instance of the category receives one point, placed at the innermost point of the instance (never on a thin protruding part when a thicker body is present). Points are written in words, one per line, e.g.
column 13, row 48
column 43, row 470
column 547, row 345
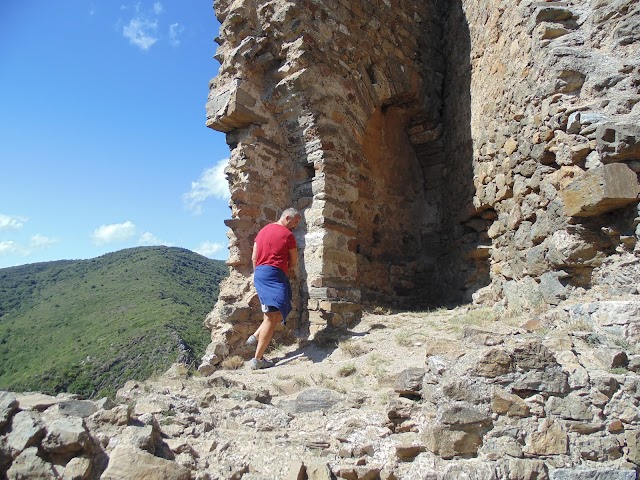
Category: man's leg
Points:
column 265, row 331
column 253, row 338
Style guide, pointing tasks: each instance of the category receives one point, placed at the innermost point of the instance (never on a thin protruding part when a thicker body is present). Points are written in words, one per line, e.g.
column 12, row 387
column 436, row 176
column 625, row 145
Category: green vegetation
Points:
column 346, row 370
column 88, row 326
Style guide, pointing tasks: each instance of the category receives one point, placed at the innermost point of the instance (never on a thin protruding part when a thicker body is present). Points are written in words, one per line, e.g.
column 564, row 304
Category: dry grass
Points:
column 301, row 382
column 233, row 363
column 278, row 349
column 325, row 381
column 377, row 363
column 381, row 311
column 403, row 338
column 278, row 388
column 352, row 348
column 347, row 370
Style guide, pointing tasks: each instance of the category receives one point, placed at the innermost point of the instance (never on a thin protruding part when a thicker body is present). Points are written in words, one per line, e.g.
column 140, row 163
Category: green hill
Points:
column 88, row 326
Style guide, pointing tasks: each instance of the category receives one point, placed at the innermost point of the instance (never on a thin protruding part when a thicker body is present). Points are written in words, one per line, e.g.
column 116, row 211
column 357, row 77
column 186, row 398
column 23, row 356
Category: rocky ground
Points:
column 467, row 393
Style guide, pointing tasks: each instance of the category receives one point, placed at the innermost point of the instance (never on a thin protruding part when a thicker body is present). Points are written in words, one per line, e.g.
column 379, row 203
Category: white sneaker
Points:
column 252, row 340
column 260, row 363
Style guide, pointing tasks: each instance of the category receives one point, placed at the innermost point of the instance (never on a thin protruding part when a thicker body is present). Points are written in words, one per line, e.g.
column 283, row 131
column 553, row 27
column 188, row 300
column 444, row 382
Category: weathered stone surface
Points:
column 470, row 469
column 78, row 408
column 618, row 142
column 600, row 190
column 409, row 452
column 448, row 443
column 232, row 108
column 8, row 406
column 66, row 435
column 400, row 409
column 318, row 471
column 549, row 439
column 296, row 471
column 620, row 318
column 37, row 401
column 127, row 462
column 313, row 399
column 553, row 291
column 592, row 474
column 78, row 468
column 409, row 382
column 28, row 465
column 533, row 355
column 505, row 403
column 462, row 416
column 493, row 363
column 553, row 381
column 27, row 429
column 570, row 408
column 520, row 469
column 599, row 449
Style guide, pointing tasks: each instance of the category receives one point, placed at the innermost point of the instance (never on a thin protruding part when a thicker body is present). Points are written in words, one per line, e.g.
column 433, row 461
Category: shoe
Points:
column 259, row 364
column 252, row 340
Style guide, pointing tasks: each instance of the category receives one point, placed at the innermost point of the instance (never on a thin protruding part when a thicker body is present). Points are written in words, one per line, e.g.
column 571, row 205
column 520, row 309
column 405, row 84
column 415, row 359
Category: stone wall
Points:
column 437, row 150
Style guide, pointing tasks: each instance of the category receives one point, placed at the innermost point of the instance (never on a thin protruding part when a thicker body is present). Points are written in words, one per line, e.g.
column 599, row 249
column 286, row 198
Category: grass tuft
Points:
column 233, row 363
column 352, row 348
column 347, row 370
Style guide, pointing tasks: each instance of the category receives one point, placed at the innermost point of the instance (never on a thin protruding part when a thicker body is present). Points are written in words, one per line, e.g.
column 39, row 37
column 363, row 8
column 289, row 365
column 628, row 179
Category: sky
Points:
column 103, row 143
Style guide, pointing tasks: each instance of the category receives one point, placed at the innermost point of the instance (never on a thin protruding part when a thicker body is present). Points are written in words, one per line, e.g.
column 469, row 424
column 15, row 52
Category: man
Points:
column 274, row 257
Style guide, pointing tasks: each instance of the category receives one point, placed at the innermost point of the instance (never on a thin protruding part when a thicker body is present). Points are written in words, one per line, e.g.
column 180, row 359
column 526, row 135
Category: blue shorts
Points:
column 273, row 289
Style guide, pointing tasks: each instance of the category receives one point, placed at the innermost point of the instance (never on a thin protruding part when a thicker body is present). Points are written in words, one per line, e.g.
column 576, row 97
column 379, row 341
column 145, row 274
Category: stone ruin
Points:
column 441, row 152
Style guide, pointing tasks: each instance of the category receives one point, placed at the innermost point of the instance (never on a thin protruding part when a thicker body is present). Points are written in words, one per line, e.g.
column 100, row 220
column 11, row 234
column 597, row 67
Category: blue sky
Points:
column 103, row 143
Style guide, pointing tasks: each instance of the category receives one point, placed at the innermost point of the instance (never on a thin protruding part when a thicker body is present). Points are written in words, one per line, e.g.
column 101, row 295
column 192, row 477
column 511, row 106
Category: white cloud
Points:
column 9, row 247
column 157, row 8
column 8, row 222
column 148, row 238
column 140, row 32
column 42, row 241
column 209, row 249
column 212, row 183
column 116, row 232
column 175, row 32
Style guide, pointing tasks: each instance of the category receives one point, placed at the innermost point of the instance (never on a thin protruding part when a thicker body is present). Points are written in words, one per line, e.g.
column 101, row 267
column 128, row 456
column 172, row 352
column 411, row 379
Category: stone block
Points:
column 232, row 107
column 493, row 362
column 550, row 439
column 618, row 142
column 505, row 403
column 600, row 190
column 409, row 382
column 448, row 443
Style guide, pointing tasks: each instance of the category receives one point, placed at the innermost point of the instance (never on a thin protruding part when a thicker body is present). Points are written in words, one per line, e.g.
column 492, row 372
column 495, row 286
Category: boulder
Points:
column 128, row 462
column 66, row 436
column 8, row 406
column 409, row 382
column 313, row 399
column 28, row 465
column 600, row 190
column 27, row 430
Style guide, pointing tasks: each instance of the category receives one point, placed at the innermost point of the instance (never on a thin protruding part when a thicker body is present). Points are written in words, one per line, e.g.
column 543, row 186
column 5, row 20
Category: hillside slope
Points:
column 88, row 326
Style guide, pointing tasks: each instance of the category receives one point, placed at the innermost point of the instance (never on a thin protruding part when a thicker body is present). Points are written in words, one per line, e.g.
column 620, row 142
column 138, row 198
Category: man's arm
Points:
column 254, row 255
column 293, row 258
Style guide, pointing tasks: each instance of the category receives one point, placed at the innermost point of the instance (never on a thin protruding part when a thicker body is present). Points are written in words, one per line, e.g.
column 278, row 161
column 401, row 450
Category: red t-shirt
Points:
column 273, row 243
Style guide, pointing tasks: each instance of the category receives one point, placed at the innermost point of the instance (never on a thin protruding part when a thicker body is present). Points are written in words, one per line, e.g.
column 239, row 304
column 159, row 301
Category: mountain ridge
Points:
column 87, row 326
